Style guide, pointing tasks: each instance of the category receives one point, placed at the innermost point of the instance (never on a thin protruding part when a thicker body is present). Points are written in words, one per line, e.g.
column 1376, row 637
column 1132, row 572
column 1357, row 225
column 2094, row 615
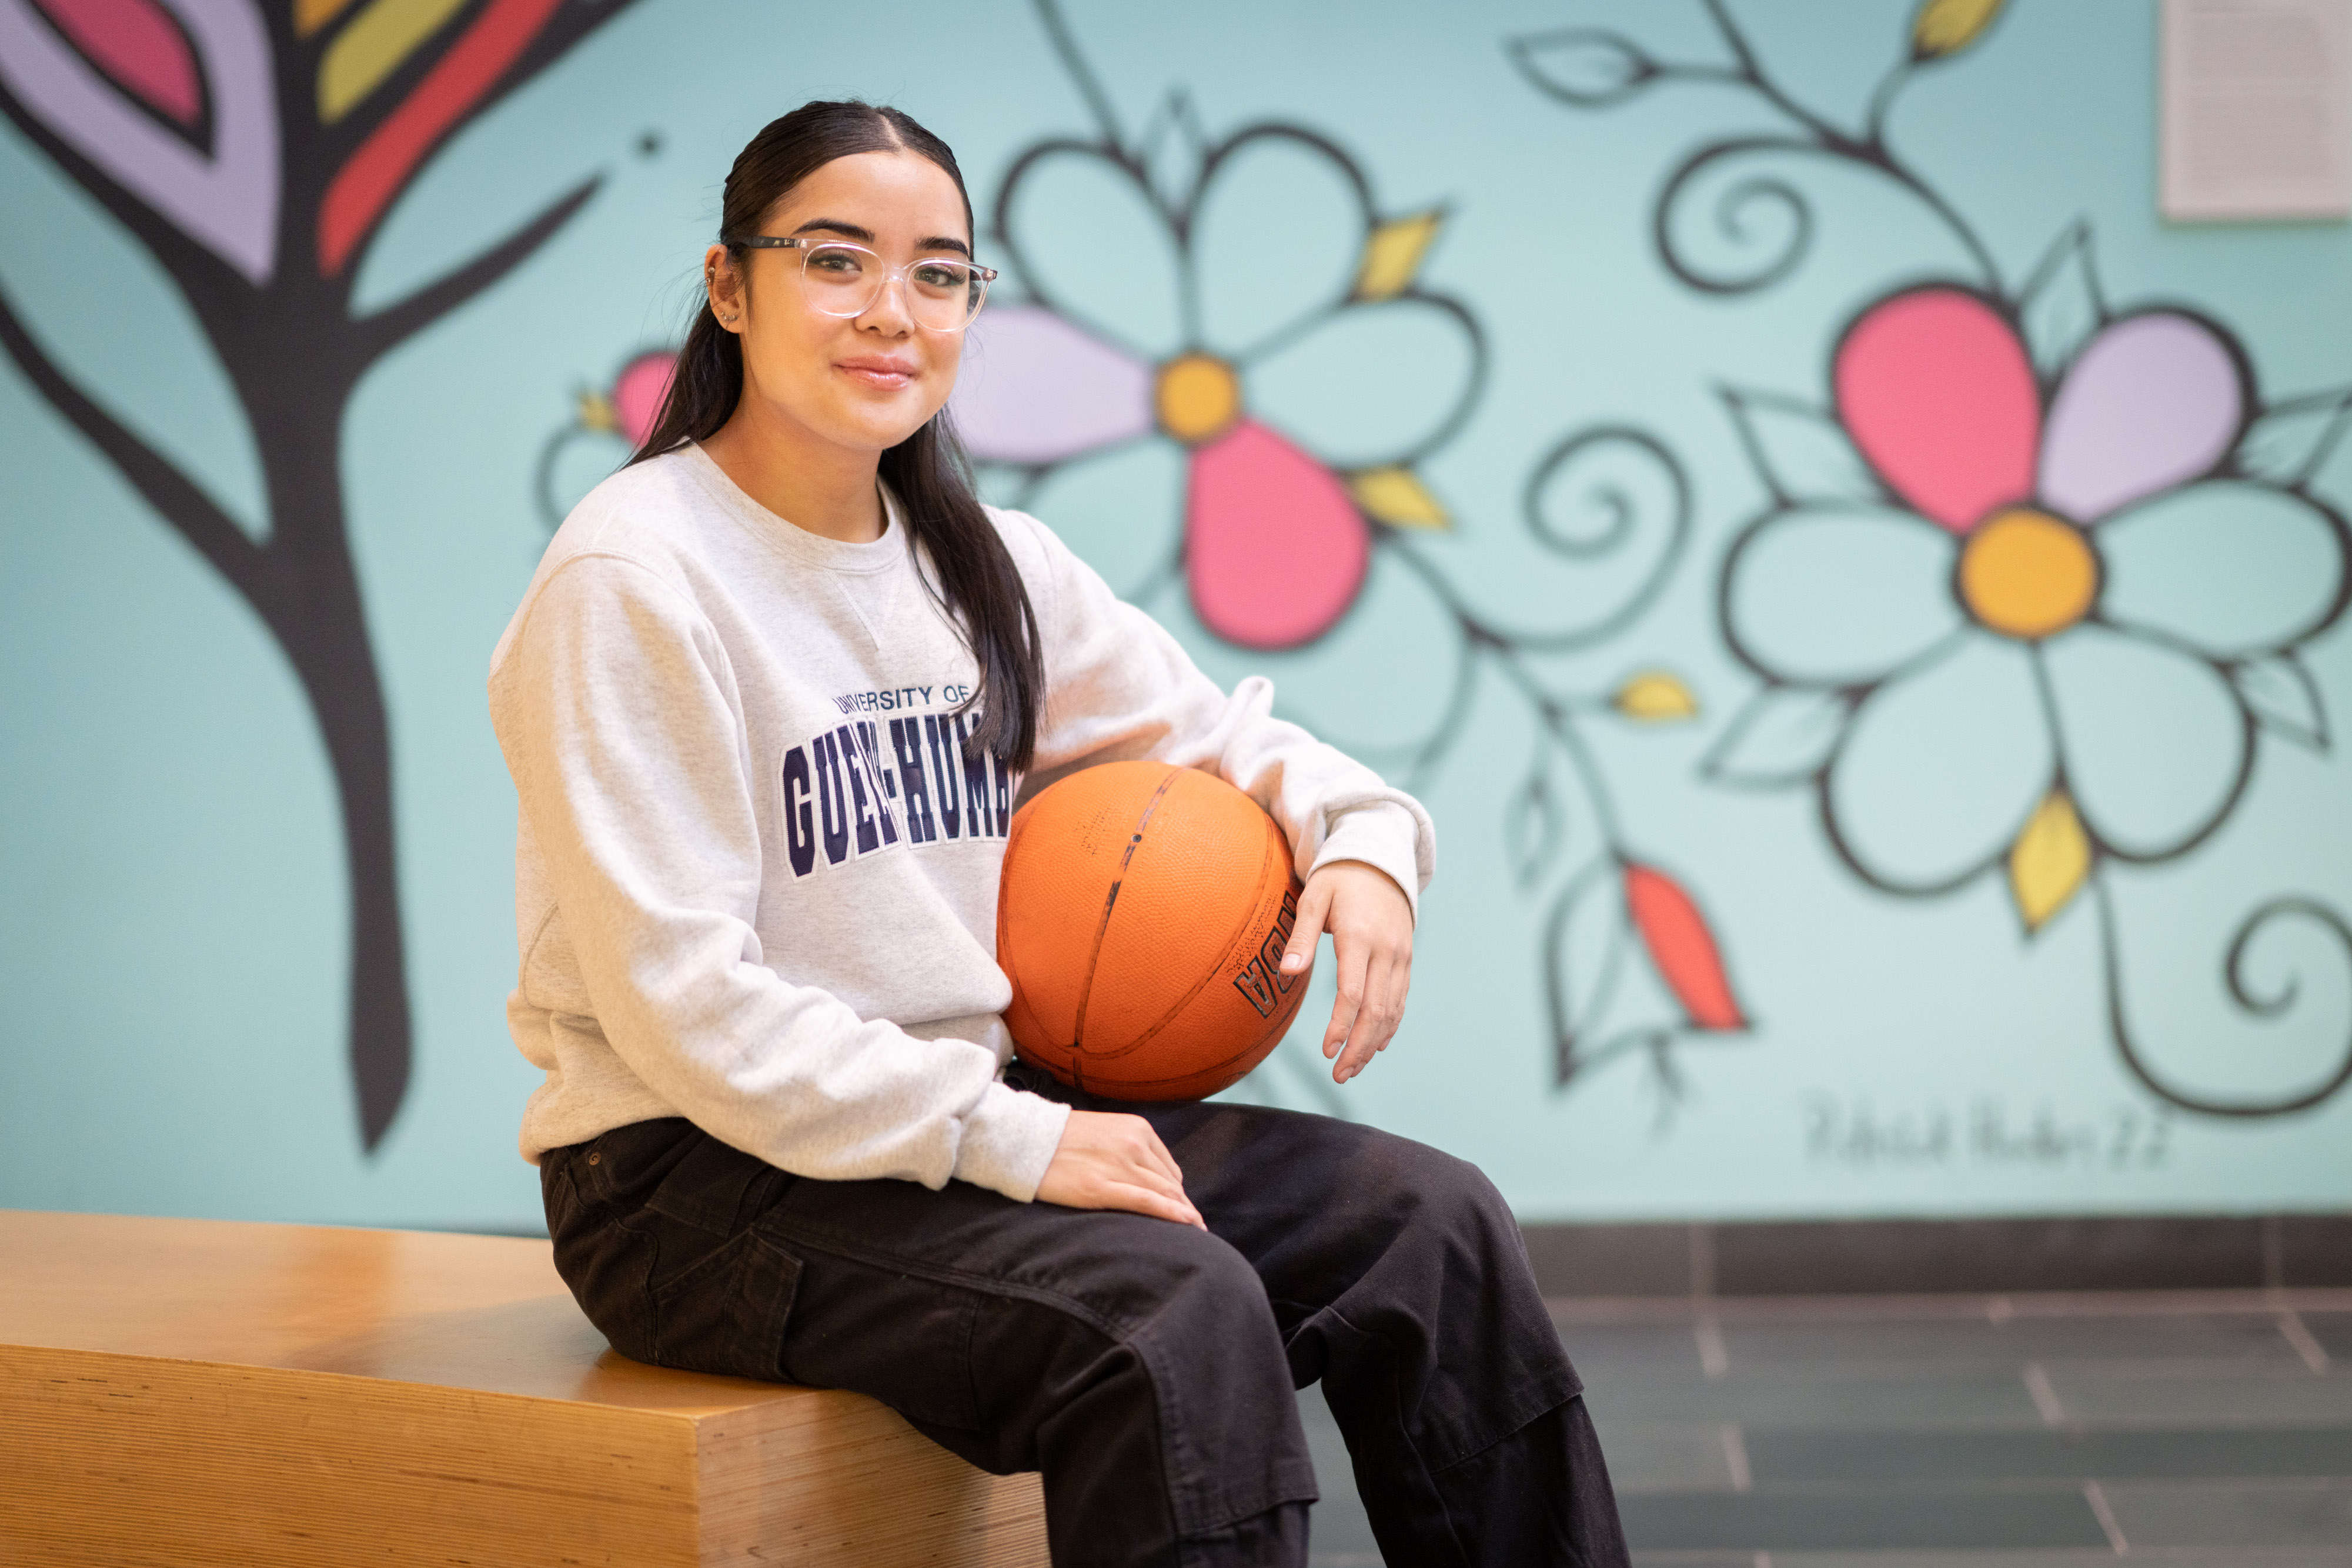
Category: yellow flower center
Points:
column 1197, row 398
column 2028, row 575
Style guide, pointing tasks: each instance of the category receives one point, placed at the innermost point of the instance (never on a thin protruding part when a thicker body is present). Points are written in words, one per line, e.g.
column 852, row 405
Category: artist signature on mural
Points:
column 1986, row 1132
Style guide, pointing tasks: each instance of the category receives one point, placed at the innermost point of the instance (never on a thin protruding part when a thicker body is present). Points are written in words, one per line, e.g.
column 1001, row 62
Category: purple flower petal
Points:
column 227, row 203
column 1035, row 389
column 2152, row 403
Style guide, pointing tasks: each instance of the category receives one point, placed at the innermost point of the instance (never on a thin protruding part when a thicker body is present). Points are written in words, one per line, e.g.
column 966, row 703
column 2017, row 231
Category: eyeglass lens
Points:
column 846, row 280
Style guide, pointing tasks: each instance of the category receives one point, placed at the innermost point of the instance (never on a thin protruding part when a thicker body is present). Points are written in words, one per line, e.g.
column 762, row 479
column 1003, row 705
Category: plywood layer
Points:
column 195, row 1392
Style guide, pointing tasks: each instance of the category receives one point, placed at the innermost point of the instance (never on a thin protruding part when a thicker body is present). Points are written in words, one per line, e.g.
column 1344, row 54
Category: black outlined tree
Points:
column 254, row 150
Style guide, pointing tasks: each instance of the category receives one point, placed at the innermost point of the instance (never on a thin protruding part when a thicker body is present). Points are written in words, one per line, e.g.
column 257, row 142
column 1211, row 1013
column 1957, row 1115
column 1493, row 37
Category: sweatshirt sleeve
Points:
column 616, row 708
column 1118, row 685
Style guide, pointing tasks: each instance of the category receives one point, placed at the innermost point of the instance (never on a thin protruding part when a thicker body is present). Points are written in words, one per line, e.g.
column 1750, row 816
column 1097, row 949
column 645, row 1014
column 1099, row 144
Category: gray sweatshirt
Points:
column 755, row 872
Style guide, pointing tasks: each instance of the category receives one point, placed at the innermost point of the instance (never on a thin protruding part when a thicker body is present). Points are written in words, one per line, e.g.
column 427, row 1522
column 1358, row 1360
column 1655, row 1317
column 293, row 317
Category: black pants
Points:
column 1147, row 1369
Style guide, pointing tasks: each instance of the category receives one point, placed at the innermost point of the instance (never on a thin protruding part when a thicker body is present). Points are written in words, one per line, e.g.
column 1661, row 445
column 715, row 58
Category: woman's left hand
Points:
column 1371, row 942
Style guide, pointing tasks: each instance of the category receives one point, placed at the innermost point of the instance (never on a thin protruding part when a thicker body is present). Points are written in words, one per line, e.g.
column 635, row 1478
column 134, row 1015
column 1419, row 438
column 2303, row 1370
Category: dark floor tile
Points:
column 2094, row 1557
column 1910, row 1257
column 2104, row 1456
column 1666, row 1457
column 1671, row 1347
column 2187, row 1515
column 2333, row 1330
column 2240, row 1337
column 2203, row 1395
column 1813, row 1397
column 1758, row 1521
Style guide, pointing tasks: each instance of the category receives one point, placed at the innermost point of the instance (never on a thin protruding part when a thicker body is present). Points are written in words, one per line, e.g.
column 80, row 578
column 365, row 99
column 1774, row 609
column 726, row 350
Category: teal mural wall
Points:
column 1863, row 598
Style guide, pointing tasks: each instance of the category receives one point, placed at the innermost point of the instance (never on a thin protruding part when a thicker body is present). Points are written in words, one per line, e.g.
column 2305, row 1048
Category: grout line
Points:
column 1714, row 1355
column 2097, row 1498
column 1735, row 1458
column 2045, row 1398
column 2314, row 1353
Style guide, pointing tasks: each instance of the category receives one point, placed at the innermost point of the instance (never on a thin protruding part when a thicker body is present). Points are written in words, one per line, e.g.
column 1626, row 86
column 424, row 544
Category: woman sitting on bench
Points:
column 782, row 1134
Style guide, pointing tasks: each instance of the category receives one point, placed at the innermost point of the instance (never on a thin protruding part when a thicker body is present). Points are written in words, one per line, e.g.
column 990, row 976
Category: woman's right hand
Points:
column 1110, row 1160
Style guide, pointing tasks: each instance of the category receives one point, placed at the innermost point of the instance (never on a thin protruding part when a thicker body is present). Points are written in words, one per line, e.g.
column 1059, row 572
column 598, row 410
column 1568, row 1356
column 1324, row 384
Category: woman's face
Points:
column 868, row 382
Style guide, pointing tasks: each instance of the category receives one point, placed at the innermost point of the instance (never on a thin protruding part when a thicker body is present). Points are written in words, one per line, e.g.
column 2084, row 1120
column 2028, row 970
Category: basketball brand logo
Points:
column 1262, row 980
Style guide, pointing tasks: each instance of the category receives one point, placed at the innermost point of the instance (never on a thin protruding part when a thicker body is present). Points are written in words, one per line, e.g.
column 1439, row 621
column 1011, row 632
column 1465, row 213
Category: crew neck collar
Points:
column 834, row 555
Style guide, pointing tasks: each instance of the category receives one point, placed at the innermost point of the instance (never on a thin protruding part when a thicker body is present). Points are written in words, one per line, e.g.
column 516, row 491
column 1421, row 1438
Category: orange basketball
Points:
column 1142, row 919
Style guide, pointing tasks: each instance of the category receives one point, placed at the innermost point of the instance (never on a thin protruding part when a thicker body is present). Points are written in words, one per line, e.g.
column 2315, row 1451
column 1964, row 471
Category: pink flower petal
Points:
column 638, row 391
column 1035, row 389
column 136, row 44
column 1937, row 392
column 2154, row 401
column 1274, row 545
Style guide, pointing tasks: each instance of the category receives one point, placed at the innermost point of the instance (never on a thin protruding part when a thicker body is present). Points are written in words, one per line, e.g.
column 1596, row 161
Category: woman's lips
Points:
column 889, row 375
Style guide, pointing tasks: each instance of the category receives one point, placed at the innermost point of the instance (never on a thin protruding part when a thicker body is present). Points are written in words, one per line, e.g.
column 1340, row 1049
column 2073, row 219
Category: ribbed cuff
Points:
column 1009, row 1140
column 1384, row 836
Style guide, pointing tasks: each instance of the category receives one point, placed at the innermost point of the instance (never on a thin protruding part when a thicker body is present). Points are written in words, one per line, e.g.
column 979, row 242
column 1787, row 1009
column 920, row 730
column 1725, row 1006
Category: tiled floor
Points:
column 2194, row 1431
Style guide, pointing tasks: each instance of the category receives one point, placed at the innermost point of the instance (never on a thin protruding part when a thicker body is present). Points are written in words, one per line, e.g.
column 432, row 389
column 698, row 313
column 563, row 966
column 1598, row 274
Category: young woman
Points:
column 768, row 704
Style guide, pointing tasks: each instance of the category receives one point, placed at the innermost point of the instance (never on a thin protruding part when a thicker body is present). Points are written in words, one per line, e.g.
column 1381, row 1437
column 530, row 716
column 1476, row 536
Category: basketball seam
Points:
column 1111, row 902
column 1181, row 1003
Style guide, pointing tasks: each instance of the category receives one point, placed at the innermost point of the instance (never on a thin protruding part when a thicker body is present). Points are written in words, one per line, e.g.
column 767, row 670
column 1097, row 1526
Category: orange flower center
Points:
column 2026, row 574
column 1198, row 396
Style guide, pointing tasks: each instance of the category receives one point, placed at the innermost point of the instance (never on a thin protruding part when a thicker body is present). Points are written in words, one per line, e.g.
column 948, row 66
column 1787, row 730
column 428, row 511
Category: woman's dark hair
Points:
column 977, row 584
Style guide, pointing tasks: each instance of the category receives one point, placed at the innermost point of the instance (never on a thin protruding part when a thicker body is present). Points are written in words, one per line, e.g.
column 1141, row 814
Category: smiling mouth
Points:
column 877, row 375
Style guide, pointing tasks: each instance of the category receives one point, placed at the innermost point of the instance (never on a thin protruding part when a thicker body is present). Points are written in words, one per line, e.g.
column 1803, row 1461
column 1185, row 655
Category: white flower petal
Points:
column 1087, row 238
column 1939, row 770
column 1370, row 385
column 1276, row 236
column 1122, row 510
column 1828, row 595
column 2231, row 566
column 2156, row 742
column 1373, row 685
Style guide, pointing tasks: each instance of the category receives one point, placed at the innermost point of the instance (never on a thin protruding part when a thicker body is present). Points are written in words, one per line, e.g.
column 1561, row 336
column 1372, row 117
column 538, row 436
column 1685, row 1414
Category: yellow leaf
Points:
column 310, row 16
column 372, row 48
column 2049, row 861
column 1941, row 27
column 1392, row 254
column 1656, row 696
column 1398, row 497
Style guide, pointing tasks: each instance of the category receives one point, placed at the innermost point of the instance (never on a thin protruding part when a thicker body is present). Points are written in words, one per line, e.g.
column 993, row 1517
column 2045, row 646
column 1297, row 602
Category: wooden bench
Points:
column 179, row 1391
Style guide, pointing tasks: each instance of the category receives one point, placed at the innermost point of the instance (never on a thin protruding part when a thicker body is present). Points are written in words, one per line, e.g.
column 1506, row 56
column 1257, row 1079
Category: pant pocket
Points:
column 726, row 1313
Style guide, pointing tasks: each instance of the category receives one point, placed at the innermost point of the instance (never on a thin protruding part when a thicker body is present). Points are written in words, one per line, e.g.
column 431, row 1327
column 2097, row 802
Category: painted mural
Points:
column 253, row 150
column 1864, row 601
column 1276, row 539
column 2057, row 524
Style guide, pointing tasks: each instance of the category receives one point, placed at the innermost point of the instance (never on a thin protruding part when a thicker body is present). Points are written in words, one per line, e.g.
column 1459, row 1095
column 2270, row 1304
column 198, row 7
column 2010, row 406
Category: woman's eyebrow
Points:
column 866, row 236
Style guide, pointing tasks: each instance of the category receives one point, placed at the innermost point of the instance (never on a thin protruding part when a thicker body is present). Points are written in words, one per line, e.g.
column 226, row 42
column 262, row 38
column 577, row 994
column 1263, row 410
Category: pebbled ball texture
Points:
column 1142, row 919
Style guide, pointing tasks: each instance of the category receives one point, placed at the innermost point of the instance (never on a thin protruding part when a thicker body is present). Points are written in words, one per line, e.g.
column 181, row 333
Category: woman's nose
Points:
column 888, row 312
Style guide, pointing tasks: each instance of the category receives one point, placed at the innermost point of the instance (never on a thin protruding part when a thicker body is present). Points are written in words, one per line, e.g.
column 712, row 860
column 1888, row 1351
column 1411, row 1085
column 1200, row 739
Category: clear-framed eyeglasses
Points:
column 942, row 292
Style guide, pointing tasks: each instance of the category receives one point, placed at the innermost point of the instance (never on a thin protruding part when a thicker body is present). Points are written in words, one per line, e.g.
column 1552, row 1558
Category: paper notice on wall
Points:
column 2256, row 109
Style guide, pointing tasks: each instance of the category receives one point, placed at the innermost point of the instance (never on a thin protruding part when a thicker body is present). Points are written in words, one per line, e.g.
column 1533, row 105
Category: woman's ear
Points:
column 724, row 285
